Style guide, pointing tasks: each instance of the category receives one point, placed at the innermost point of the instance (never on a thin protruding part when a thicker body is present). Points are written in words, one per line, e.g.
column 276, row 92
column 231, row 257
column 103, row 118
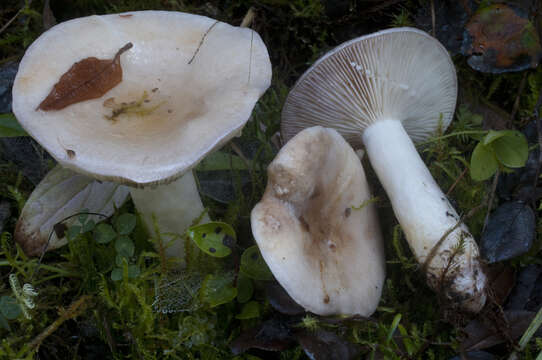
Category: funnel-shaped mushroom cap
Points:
column 399, row 74
column 327, row 254
column 189, row 84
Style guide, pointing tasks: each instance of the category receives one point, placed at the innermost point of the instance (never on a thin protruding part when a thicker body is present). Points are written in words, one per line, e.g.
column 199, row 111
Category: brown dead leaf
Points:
column 485, row 334
column 87, row 79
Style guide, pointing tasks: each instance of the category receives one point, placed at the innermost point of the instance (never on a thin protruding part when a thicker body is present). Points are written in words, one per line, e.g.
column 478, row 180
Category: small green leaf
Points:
column 9, row 307
column 133, row 271
column 73, row 231
column 483, row 163
column 10, row 127
column 253, row 265
column 125, row 224
column 217, row 289
column 250, row 310
column 245, row 288
column 89, row 226
column 119, row 260
column 124, row 246
column 4, row 323
column 493, row 135
column 83, row 217
column 116, row 274
column 104, row 233
column 215, row 238
column 511, row 150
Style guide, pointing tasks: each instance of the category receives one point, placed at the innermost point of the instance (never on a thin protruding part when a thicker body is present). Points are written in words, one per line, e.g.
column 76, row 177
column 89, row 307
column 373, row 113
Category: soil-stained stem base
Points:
column 426, row 216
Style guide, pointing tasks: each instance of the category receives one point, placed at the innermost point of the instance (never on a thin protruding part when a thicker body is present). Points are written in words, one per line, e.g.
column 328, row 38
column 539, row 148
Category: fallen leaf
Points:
column 499, row 38
column 502, row 280
column 281, row 301
column 325, row 345
column 524, row 292
column 87, row 79
column 482, row 335
column 510, row 232
column 271, row 335
column 60, row 194
column 48, row 17
column 475, row 355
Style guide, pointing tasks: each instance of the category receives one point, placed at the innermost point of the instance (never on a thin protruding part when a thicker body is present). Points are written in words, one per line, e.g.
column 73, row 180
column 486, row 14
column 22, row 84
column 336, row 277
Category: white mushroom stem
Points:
column 172, row 207
column 430, row 223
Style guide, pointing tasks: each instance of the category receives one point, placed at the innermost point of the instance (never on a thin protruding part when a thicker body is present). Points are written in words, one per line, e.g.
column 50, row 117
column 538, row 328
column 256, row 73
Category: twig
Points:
column 249, row 18
column 539, row 128
column 491, row 197
column 382, row 6
column 456, row 181
column 433, row 18
column 516, row 102
column 6, row 25
column 201, row 41
column 76, row 308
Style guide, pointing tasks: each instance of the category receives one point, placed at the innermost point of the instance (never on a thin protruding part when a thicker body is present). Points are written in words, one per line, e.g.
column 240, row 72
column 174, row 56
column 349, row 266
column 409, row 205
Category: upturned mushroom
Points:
column 384, row 91
column 317, row 229
column 154, row 92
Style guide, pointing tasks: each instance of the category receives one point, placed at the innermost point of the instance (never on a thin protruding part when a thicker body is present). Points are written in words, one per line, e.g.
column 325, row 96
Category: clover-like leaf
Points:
column 125, row 224
column 124, row 246
column 217, row 289
column 249, row 311
column 104, row 233
column 215, row 238
column 253, row 265
column 9, row 308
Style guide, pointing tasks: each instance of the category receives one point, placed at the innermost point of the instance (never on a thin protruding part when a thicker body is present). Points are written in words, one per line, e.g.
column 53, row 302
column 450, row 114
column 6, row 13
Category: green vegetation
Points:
column 110, row 294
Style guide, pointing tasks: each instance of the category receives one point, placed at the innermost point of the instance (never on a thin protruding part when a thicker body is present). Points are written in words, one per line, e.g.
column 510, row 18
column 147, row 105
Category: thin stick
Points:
column 75, row 309
column 491, row 197
column 456, row 181
column 6, row 25
column 433, row 18
column 249, row 18
column 516, row 102
column 202, row 40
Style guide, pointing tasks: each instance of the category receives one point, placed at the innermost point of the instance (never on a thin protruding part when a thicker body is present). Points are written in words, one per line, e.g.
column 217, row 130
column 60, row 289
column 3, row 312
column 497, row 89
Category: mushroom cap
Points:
column 191, row 110
column 326, row 254
column 399, row 74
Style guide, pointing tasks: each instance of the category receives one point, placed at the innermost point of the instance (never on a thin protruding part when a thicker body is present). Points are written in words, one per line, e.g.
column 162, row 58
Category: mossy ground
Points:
column 81, row 313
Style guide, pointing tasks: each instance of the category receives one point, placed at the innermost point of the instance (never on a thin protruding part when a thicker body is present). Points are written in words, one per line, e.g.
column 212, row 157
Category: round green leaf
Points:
column 104, row 233
column 133, row 271
column 250, row 310
column 125, row 224
column 73, row 231
column 116, row 274
column 217, row 289
column 483, row 163
column 253, row 265
column 89, row 226
column 512, row 150
column 493, row 135
column 124, row 246
column 119, row 260
column 245, row 288
column 215, row 238
column 9, row 307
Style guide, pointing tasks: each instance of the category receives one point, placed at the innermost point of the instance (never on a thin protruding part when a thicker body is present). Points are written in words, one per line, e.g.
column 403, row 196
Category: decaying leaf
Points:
column 325, row 345
column 509, row 233
column 271, row 335
column 527, row 294
column 281, row 301
column 482, row 335
column 60, row 194
column 87, row 79
column 499, row 38
column 501, row 280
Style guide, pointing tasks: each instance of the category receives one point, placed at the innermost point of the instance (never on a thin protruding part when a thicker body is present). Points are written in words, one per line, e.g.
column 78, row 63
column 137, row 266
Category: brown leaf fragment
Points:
column 87, row 79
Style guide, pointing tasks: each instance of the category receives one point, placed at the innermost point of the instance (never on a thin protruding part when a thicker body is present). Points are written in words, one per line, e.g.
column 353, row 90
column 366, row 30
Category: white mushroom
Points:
column 326, row 253
column 380, row 91
column 189, row 84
